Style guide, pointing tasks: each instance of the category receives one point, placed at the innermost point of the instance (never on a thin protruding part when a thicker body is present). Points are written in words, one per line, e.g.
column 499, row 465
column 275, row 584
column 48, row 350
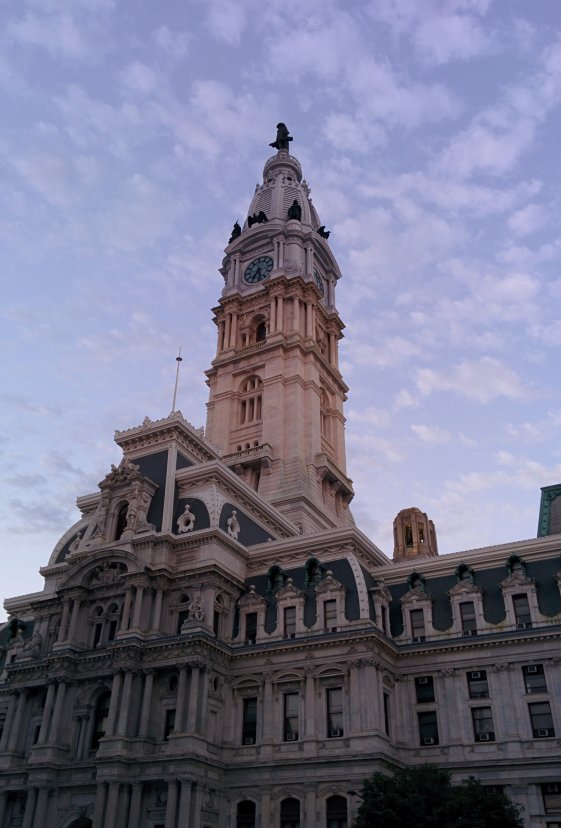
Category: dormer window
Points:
column 522, row 610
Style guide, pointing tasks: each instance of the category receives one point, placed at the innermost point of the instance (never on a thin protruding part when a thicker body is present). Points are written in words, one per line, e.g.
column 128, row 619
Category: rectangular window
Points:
column 428, row 728
column 478, row 686
column 112, row 630
column 290, row 622
column 98, row 629
column 417, row 617
column 249, row 723
column 483, row 729
column 387, row 713
column 522, row 611
column 182, row 617
column 291, row 704
column 534, row 678
column 216, row 623
column 542, row 721
column 334, row 712
column 467, row 616
column 551, row 794
column 424, row 689
column 251, row 628
column 169, row 723
column 330, row 615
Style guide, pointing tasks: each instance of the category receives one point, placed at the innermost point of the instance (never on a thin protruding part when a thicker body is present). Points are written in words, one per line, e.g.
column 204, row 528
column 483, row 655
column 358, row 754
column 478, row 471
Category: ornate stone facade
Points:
column 218, row 646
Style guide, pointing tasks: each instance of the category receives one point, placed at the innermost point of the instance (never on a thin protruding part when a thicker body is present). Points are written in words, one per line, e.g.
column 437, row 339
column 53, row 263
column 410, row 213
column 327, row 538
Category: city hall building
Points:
column 218, row 645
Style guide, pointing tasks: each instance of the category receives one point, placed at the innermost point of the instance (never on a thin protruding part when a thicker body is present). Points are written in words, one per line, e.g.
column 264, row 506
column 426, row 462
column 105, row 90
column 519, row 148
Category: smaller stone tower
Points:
column 414, row 535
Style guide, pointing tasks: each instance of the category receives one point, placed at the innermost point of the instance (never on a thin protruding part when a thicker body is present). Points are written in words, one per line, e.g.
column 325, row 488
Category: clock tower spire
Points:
column 276, row 394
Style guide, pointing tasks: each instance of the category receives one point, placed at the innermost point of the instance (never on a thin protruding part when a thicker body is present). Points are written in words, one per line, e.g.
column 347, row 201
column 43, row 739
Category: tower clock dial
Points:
column 258, row 270
column 319, row 282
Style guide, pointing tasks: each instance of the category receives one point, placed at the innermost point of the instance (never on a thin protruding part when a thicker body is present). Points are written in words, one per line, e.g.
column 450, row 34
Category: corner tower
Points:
column 276, row 394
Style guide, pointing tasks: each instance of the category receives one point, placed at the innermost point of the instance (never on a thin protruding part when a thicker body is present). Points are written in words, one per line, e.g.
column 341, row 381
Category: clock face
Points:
column 319, row 282
column 258, row 270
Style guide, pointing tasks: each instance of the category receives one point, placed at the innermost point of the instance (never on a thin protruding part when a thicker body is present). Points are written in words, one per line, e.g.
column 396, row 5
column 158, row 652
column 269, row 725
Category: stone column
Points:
column 127, row 609
column 197, row 796
column 309, row 817
column 136, row 801
column 17, row 722
column 137, row 614
column 233, row 330
column 273, row 316
column 29, row 808
column 280, row 313
column 114, row 704
column 157, row 610
column 184, row 804
column 46, row 719
column 111, row 810
column 41, row 810
column 265, row 810
column 203, row 696
column 268, row 717
column 64, row 622
column 100, row 796
column 355, row 724
column 79, row 752
column 74, row 619
column 193, row 700
column 309, row 320
column 309, row 706
column 181, row 699
column 125, row 705
column 144, row 724
column 171, row 809
column 54, row 732
column 227, row 328
column 2, row 808
column 8, row 724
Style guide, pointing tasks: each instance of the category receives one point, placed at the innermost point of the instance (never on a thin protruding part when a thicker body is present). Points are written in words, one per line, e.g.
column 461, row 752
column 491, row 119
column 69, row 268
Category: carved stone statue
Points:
column 186, row 521
column 75, row 543
column 321, row 231
column 236, row 231
column 283, row 138
column 32, row 647
column 233, row 525
column 257, row 218
column 196, row 612
column 295, row 211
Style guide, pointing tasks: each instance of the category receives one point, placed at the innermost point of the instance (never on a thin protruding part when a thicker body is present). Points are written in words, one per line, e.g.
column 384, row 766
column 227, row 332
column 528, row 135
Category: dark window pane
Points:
column 424, row 688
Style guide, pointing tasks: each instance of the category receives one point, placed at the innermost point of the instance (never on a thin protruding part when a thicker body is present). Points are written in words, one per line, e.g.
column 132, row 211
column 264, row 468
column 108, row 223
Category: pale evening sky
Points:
column 132, row 135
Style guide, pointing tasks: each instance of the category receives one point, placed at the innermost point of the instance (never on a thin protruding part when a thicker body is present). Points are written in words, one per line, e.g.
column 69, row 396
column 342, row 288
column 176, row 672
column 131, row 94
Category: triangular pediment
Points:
column 464, row 588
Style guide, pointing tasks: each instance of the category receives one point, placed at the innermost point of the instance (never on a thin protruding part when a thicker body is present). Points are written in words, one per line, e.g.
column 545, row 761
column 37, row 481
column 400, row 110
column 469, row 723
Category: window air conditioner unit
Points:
column 469, row 632
column 338, row 731
column 429, row 740
column 417, row 639
column 483, row 737
column 291, row 737
column 552, row 788
column 524, row 625
column 333, row 629
column 249, row 740
column 475, row 675
column 543, row 731
column 532, row 668
column 423, row 680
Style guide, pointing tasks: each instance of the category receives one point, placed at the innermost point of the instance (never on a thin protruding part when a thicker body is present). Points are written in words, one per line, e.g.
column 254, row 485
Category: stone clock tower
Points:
column 276, row 393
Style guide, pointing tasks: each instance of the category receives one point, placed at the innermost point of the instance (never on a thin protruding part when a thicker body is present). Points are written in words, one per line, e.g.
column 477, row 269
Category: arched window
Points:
column 245, row 814
column 97, row 626
column 121, row 520
column 112, row 619
column 290, row 813
column 100, row 719
column 261, row 332
column 251, row 400
column 183, row 612
column 336, row 812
